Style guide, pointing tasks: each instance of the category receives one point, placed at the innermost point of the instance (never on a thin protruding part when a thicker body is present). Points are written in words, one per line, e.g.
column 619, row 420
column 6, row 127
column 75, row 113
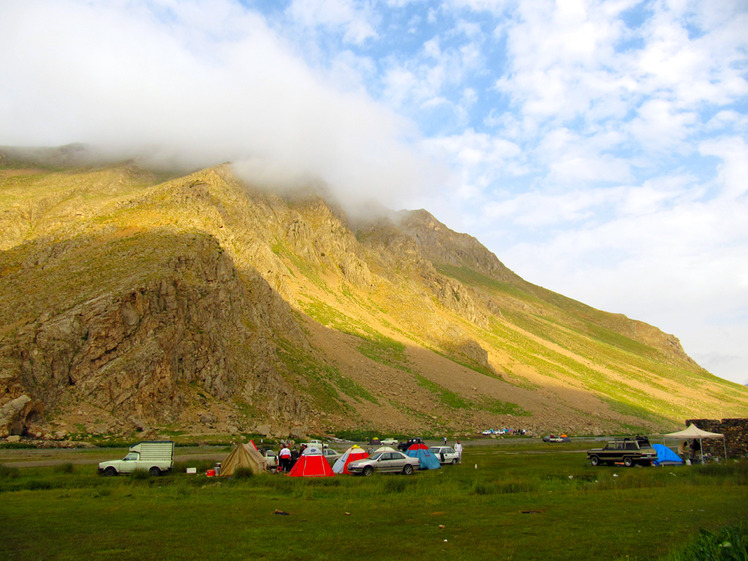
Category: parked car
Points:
column 498, row 432
column 389, row 441
column 446, row 454
column 271, row 459
column 153, row 456
column 331, row 455
column 629, row 451
column 393, row 461
column 403, row 446
column 555, row 438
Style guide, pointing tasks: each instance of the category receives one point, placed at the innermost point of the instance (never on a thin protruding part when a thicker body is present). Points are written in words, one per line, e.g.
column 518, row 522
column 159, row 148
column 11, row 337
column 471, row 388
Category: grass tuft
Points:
column 243, row 473
column 727, row 544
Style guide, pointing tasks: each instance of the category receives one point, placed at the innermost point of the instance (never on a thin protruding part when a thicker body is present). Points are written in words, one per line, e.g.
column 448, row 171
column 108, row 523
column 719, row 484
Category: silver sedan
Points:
column 395, row 462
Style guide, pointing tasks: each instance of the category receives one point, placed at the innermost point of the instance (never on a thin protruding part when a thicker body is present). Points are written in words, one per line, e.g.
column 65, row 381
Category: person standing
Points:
column 683, row 450
column 458, row 449
column 285, row 458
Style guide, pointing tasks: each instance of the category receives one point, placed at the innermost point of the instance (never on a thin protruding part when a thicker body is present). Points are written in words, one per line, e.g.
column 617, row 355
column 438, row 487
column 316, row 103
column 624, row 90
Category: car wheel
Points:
column 454, row 462
column 110, row 472
column 408, row 469
column 595, row 461
column 154, row 471
column 368, row 470
column 628, row 461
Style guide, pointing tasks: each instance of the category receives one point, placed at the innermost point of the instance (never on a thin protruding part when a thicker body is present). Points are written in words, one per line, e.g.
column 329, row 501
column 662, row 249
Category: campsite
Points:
column 511, row 499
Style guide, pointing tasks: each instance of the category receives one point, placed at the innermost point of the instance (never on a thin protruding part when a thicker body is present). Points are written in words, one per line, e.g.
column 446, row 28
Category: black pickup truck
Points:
column 629, row 451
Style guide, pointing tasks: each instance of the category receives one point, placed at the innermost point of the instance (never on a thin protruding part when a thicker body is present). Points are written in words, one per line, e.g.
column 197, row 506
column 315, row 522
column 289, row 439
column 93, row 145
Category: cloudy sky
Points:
column 600, row 149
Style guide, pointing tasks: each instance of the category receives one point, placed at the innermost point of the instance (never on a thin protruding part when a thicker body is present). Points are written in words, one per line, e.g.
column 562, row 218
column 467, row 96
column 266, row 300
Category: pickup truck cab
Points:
column 628, row 451
column 155, row 457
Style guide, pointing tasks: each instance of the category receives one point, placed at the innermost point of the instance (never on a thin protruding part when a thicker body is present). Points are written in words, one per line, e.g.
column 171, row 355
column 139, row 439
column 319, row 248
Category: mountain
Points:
column 204, row 303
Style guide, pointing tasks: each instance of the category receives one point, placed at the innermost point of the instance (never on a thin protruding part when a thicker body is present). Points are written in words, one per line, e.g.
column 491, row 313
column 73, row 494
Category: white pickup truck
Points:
column 153, row 456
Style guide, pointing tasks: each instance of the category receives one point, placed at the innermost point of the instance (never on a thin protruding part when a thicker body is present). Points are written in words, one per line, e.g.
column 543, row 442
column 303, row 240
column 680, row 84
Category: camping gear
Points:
column 695, row 433
column 246, row 456
column 426, row 458
column 353, row 453
column 665, row 456
column 311, row 464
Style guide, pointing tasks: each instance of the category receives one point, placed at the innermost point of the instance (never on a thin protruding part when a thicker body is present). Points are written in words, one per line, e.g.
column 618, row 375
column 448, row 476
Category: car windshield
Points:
column 377, row 456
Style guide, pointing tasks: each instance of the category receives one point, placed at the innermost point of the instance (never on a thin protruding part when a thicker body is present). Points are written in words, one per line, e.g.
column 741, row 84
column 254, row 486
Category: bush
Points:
column 243, row 473
column 728, row 544
column 64, row 468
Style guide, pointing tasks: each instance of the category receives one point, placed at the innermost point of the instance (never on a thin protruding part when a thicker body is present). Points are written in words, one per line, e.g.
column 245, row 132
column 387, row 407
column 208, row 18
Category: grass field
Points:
column 522, row 502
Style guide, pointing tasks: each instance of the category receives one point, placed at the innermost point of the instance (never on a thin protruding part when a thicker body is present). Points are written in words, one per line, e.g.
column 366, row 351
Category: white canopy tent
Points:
column 692, row 433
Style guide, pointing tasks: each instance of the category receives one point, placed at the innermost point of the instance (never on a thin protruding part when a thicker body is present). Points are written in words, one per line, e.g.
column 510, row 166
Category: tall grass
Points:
column 726, row 544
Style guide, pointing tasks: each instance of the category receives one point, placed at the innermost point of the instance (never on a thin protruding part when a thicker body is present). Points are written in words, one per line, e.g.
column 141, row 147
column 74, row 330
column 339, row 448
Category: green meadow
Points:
column 520, row 502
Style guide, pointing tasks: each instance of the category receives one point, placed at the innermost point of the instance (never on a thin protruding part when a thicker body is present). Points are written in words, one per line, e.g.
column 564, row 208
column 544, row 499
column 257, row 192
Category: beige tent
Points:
column 244, row 455
column 383, row 449
column 693, row 433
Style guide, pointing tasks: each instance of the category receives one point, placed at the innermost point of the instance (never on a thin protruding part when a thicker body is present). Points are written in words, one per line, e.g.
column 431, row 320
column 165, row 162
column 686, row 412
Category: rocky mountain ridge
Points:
column 203, row 303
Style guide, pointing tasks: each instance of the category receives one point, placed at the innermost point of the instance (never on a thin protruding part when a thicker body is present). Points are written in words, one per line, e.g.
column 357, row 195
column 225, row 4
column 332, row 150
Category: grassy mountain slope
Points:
column 203, row 303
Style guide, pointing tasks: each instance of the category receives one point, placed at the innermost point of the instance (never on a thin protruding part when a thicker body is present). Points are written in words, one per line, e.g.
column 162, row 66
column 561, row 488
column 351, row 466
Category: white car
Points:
column 389, row 442
column 271, row 459
column 446, row 454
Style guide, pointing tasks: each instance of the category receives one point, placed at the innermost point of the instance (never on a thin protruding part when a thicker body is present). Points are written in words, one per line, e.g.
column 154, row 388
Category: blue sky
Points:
column 598, row 148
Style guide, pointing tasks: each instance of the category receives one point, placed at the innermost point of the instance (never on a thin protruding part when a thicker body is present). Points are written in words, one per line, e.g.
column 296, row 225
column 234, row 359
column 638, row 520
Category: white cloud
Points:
column 352, row 19
column 155, row 83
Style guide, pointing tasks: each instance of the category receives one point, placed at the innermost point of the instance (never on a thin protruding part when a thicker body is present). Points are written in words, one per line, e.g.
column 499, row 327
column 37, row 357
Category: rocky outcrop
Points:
column 441, row 245
column 135, row 353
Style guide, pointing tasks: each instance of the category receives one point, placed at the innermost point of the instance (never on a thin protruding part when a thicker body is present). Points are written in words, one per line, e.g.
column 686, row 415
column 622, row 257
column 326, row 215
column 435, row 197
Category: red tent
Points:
column 311, row 464
column 351, row 455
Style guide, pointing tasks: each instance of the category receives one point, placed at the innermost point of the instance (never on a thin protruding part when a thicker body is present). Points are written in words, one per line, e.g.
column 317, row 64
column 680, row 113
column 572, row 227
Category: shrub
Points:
column 243, row 473
column 728, row 544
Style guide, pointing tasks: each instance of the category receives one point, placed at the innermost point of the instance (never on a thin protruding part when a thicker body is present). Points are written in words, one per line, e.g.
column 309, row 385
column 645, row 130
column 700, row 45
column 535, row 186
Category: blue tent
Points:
column 665, row 456
column 426, row 458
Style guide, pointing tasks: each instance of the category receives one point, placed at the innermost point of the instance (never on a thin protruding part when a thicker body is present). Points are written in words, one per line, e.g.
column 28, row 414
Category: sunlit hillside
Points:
column 199, row 303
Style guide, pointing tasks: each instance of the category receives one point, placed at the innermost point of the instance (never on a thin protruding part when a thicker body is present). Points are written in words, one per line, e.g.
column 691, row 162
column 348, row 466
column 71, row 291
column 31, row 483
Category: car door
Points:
column 387, row 462
column 398, row 461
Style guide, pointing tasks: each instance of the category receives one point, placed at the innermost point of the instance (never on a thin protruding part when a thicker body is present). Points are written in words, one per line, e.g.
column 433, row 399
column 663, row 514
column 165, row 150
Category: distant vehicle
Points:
column 403, row 446
column 555, row 438
column 313, row 444
column 155, row 457
column 394, row 462
column 446, row 454
column 389, row 441
column 331, row 455
column 628, row 451
column 271, row 460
